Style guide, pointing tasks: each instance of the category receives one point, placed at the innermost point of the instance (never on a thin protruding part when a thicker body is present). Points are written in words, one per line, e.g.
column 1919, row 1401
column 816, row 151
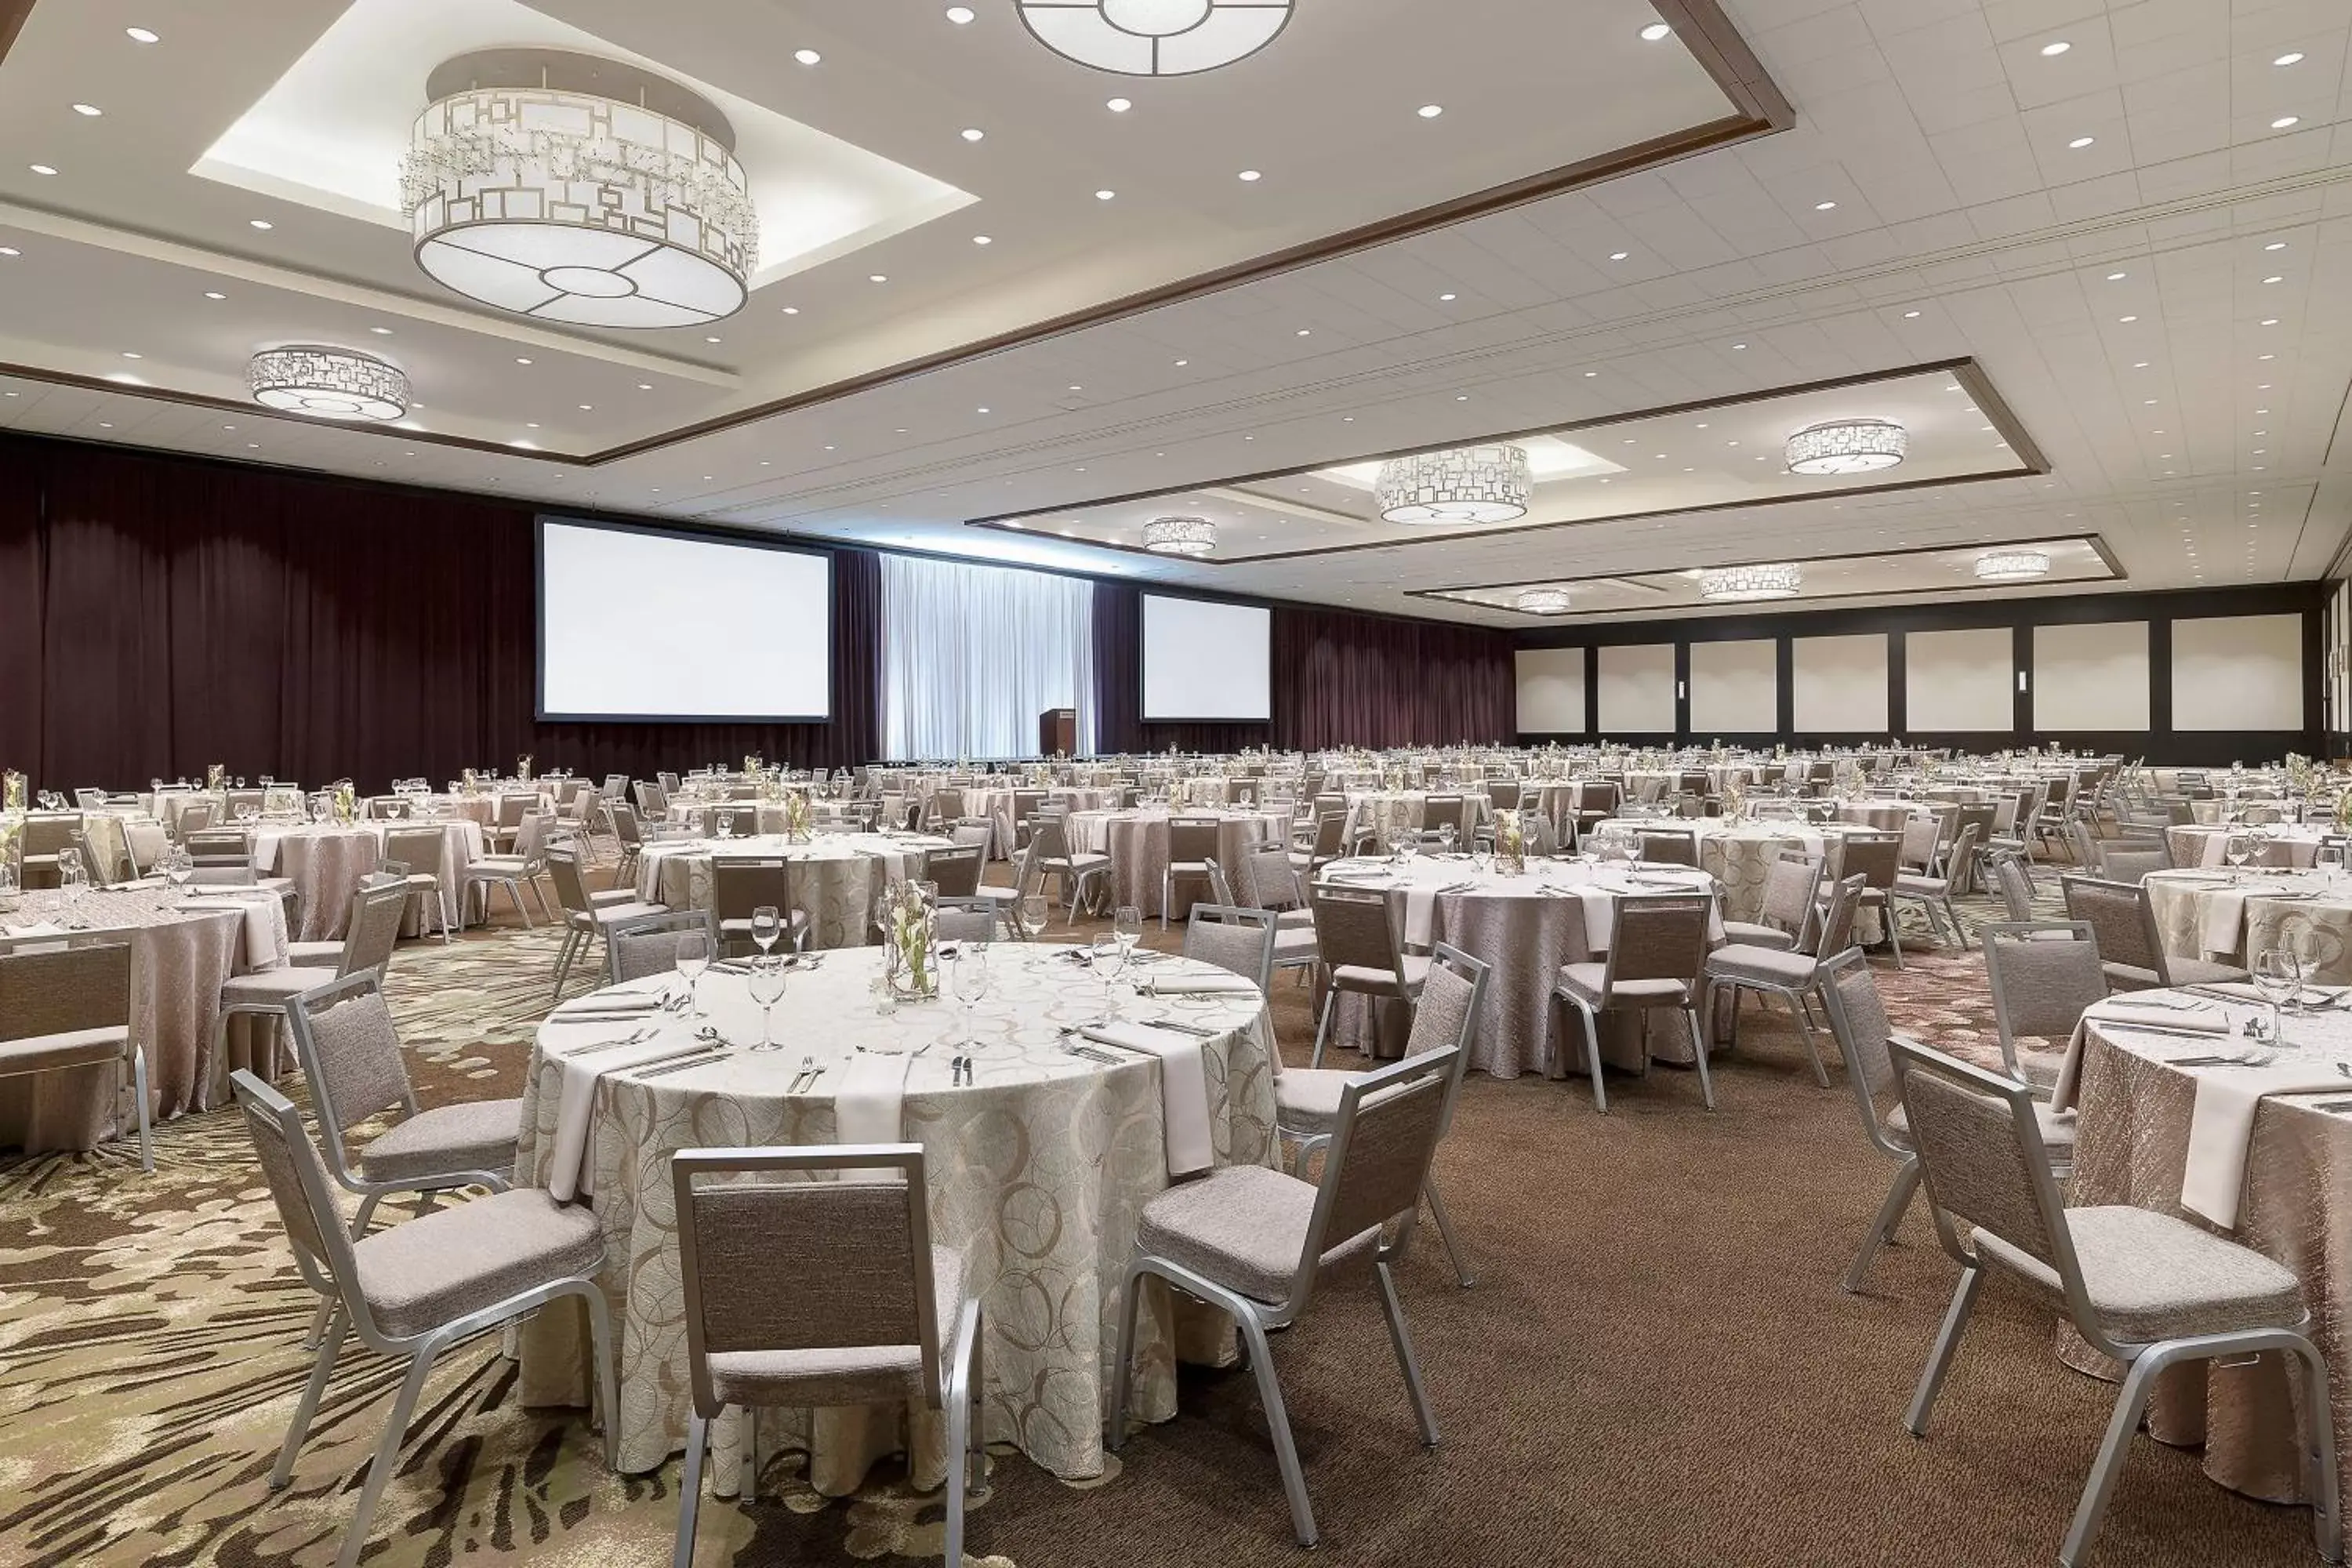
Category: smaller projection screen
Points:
column 744, row 631
column 1204, row 660
column 1551, row 690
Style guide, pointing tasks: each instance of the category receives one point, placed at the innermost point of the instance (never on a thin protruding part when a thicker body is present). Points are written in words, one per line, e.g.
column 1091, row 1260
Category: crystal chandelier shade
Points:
column 1463, row 484
column 573, row 206
column 1847, row 447
column 1728, row 584
column 2013, row 566
column 1155, row 37
column 325, row 382
column 1180, row 536
column 1544, row 601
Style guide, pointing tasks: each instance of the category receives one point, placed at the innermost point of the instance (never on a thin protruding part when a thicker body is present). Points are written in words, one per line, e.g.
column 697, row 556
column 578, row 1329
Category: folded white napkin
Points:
column 2204, row 1020
column 867, row 1107
column 2222, row 920
column 1183, row 1091
column 1196, row 986
column 567, row 1168
column 2222, row 1127
column 38, row 928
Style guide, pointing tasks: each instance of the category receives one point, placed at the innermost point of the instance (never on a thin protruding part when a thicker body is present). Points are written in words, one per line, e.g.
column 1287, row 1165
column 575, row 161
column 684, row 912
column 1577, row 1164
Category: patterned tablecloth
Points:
column 838, row 878
column 1137, row 842
column 2230, row 917
column 1393, row 812
column 178, row 960
column 2209, row 847
column 2294, row 1207
column 996, row 805
column 1038, row 1175
column 325, row 864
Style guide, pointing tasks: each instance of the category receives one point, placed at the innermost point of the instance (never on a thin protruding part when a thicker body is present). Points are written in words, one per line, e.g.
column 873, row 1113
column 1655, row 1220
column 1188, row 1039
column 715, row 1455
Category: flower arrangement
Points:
column 1735, row 795
column 523, row 768
column 908, row 924
column 2301, row 776
column 1510, row 844
column 347, row 804
column 751, row 763
column 469, row 782
column 12, row 791
column 2344, row 812
column 796, row 816
column 216, row 775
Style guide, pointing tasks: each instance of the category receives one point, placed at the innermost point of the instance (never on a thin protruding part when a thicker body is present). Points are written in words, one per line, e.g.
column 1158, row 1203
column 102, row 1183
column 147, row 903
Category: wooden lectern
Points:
column 1058, row 733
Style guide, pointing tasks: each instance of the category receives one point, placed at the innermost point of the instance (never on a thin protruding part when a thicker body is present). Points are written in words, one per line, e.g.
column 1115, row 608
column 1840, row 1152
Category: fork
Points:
column 808, row 1066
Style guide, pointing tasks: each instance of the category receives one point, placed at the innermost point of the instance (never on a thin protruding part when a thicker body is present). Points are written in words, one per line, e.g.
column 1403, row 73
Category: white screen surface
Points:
column 2091, row 677
column 1637, row 689
column 1206, row 660
column 1735, row 687
column 747, row 630
column 2237, row 672
column 1961, row 680
column 1551, row 690
column 1840, row 684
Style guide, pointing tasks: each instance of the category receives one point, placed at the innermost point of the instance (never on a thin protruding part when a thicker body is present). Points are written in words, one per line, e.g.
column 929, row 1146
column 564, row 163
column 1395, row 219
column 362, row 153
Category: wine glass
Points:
column 1127, row 925
column 70, row 883
column 1109, row 957
column 724, row 825
column 767, row 925
column 767, row 990
column 693, row 958
column 1446, row 833
column 178, row 866
column 2278, row 975
column 1033, row 913
column 971, row 987
column 2236, row 848
column 2330, row 859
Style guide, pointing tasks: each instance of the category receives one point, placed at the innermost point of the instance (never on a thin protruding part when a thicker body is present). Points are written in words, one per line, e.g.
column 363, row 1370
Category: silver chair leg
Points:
column 1446, row 1233
column 387, row 1453
column 1593, row 1059
column 1940, row 1360
column 1407, row 1362
column 689, row 1488
column 1323, row 1027
column 608, row 1375
column 283, row 1470
column 2327, row 1483
column 1122, row 1373
column 1813, row 1045
column 1278, row 1420
column 138, row 1087
column 1891, row 1211
column 1894, row 931
column 1698, row 1050
column 747, row 1484
column 2122, row 1427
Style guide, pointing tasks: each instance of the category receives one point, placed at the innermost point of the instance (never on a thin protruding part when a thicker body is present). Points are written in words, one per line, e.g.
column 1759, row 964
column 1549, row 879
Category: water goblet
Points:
column 767, row 926
column 971, row 987
column 693, row 959
column 1446, row 833
column 2278, row 975
column 767, row 990
column 1033, row 913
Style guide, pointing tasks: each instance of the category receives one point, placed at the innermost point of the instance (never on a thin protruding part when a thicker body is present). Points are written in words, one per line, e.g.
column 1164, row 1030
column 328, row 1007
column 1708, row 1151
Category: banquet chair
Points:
column 1362, row 955
column 1794, row 975
column 1306, row 1099
column 1657, row 958
column 1237, row 939
column 1050, row 855
column 514, row 872
column 89, row 799
column 955, row 871
column 2014, row 881
column 616, row 787
column 330, row 954
column 1005, row 898
column 1276, row 893
column 2054, row 811
column 1962, row 869
column 739, row 885
column 628, row 833
column 377, row 909
column 669, row 781
column 2128, row 861
column 964, row 920
column 1596, row 800
column 1326, row 843
column 414, row 1289
column 195, row 816
column 586, row 922
column 1789, row 909
column 1255, row 1241
column 1876, row 857
column 1025, row 802
column 742, row 821
column 1933, row 894
column 652, row 800
column 389, row 808
column 513, row 810
column 1440, row 811
column 645, row 946
column 2042, row 976
column 1669, row 850
column 1192, row 844
column 217, row 846
column 421, row 849
column 66, row 1004
column 2146, row 1289
column 103, row 870
column 2131, row 950
column 806, row 1292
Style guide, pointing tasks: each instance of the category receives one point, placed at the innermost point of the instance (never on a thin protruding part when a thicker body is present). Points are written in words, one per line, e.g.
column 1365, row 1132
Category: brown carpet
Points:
column 1657, row 1367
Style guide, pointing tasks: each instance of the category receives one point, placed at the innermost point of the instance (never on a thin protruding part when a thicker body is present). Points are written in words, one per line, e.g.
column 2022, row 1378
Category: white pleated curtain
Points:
column 972, row 655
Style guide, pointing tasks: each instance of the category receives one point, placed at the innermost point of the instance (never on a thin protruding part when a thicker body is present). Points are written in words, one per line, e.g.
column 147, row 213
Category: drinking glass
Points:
column 724, row 825
column 2278, row 975
column 971, row 987
column 1033, row 913
column 1109, row 959
column 1446, row 833
column 2330, row 859
column 767, row 990
column 1127, row 925
column 693, row 958
column 767, row 926
column 2235, row 849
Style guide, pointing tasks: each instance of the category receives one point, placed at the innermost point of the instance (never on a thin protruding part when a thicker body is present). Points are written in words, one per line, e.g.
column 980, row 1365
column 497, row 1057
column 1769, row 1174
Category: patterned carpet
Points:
column 1656, row 1368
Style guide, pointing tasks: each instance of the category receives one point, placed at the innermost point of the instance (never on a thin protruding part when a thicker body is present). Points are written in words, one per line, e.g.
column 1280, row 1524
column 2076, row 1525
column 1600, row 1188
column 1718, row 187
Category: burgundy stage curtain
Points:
column 1339, row 680
column 160, row 613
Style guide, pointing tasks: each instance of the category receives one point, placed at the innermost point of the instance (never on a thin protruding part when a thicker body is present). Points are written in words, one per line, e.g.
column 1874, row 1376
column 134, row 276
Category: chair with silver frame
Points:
column 2124, row 921
column 2043, row 976
column 414, row 1289
column 2146, row 1289
column 1235, row 938
column 586, row 921
column 645, row 946
column 1256, row 1242
column 65, row 1004
column 1362, row 955
column 1793, row 975
column 802, row 1291
column 1657, row 958
column 373, row 931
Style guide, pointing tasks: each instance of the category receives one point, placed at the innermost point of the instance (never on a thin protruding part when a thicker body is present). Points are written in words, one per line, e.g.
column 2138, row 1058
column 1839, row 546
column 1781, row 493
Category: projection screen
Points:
column 1204, row 660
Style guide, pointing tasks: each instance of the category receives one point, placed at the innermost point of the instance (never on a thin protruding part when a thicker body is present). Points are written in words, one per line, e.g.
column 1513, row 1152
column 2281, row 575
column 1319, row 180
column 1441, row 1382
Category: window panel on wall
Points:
column 1735, row 687
column 2091, row 677
column 2237, row 672
column 1637, row 689
column 1551, row 690
column 1962, row 682
column 1840, row 684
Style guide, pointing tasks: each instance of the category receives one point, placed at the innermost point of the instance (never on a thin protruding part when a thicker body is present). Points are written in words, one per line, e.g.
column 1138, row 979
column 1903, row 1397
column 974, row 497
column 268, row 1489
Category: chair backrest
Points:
column 513, row 808
column 196, row 815
column 1221, row 887
column 616, row 785
column 1191, row 839
column 1658, row 936
column 389, row 807
column 217, row 846
column 1447, row 1013
column 2132, row 865
column 2120, row 918
column 645, row 946
column 739, row 885
column 1669, row 849
column 1330, row 831
column 742, row 821
column 350, row 1052
column 1049, row 838
column 419, row 846
column 2008, row 876
column 306, row 1204
column 1439, row 811
column 1389, row 1122
column 61, row 989
column 800, row 1264
column 101, row 868
column 1271, row 879
column 2043, row 975
column 1238, row 941
column 974, row 834
column 1352, row 929
column 1858, row 1018
column 1834, row 931
column 624, row 818
column 1921, row 833
column 964, row 920
column 1877, row 858
column 379, row 905
column 1789, row 887
column 89, row 799
column 955, row 870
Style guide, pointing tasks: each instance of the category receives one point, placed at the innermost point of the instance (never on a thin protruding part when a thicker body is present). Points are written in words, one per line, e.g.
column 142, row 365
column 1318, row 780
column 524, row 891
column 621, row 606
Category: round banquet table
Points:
column 178, row 957
column 2294, row 1207
column 996, row 805
column 1038, row 1173
column 1526, row 927
column 1392, row 813
column 838, row 878
column 2207, row 846
column 2230, row 916
column 1739, row 854
column 326, row 861
column 1137, row 842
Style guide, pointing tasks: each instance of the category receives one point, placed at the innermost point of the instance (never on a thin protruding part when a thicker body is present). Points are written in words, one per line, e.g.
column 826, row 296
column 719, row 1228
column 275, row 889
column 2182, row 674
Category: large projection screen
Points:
column 1735, row 687
column 1551, row 690
column 1637, row 689
column 1203, row 660
column 1840, row 684
column 2237, row 672
column 2091, row 677
column 1962, row 682
column 747, row 628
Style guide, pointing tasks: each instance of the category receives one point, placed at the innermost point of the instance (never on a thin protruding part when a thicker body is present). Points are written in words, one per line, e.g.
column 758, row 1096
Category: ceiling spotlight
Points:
column 1251, row 175
column 1737, row 584
column 2291, row 57
column 10, row 250
column 1120, row 105
column 261, row 223
column 1847, row 447
column 878, row 277
column 1824, row 206
column 1464, row 484
column 2117, row 277
column 2012, row 567
column 328, row 383
column 2283, row 121
column 1619, row 254
column 2081, row 142
column 1447, row 298
column 89, row 110
column 1543, row 601
column 1654, row 31
column 1180, row 536
column 1155, row 37
column 1430, row 110
column 214, row 294
column 2059, row 48
column 807, row 57
column 960, row 14
column 1105, row 195
column 143, row 36
column 982, row 239
column 41, row 168
column 973, row 133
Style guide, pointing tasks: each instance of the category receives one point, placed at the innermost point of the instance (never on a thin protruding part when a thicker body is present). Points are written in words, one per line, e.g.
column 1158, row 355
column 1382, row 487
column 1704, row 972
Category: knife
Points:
column 667, row 1065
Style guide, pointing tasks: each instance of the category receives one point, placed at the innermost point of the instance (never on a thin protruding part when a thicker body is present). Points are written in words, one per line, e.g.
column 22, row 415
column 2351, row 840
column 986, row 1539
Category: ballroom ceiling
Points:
column 1614, row 239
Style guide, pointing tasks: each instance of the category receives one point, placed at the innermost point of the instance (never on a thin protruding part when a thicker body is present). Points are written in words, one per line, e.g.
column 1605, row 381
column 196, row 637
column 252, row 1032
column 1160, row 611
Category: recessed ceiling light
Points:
column 1589, row 374
column 1305, row 331
column 2275, row 245
column 807, row 57
column 89, row 110
column 2293, row 56
column 1739, row 345
column 2266, row 357
column 1076, row 388
column 1182, row 362
column 1105, row 195
column 1619, row 254
column 2269, row 322
column 587, row 408
column 520, row 360
column 2060, row 47
column 1431, row 110
column 128, row 354
column 960, row 14
column 711, row 340
column 1446, row 299
column 870, row 277
column 1120, row 105
column 2139, row 364
column 381, row 331
column 2126, row 320
column 530, row 425
column 792, row 309
column 2117, row 277
column 980, row 411
column 1823, row 206
column 261, row 223
column 1251, row 175
column 644, row 386
column 2080, row 142
column 105, row 425
column 982, row 239
column 2283, row 121
column 41, row 168
column 972, row 133
column 10, row 250
column 214, row 294
column 143, row 36
column 2274, row 278
column 1910, row 315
